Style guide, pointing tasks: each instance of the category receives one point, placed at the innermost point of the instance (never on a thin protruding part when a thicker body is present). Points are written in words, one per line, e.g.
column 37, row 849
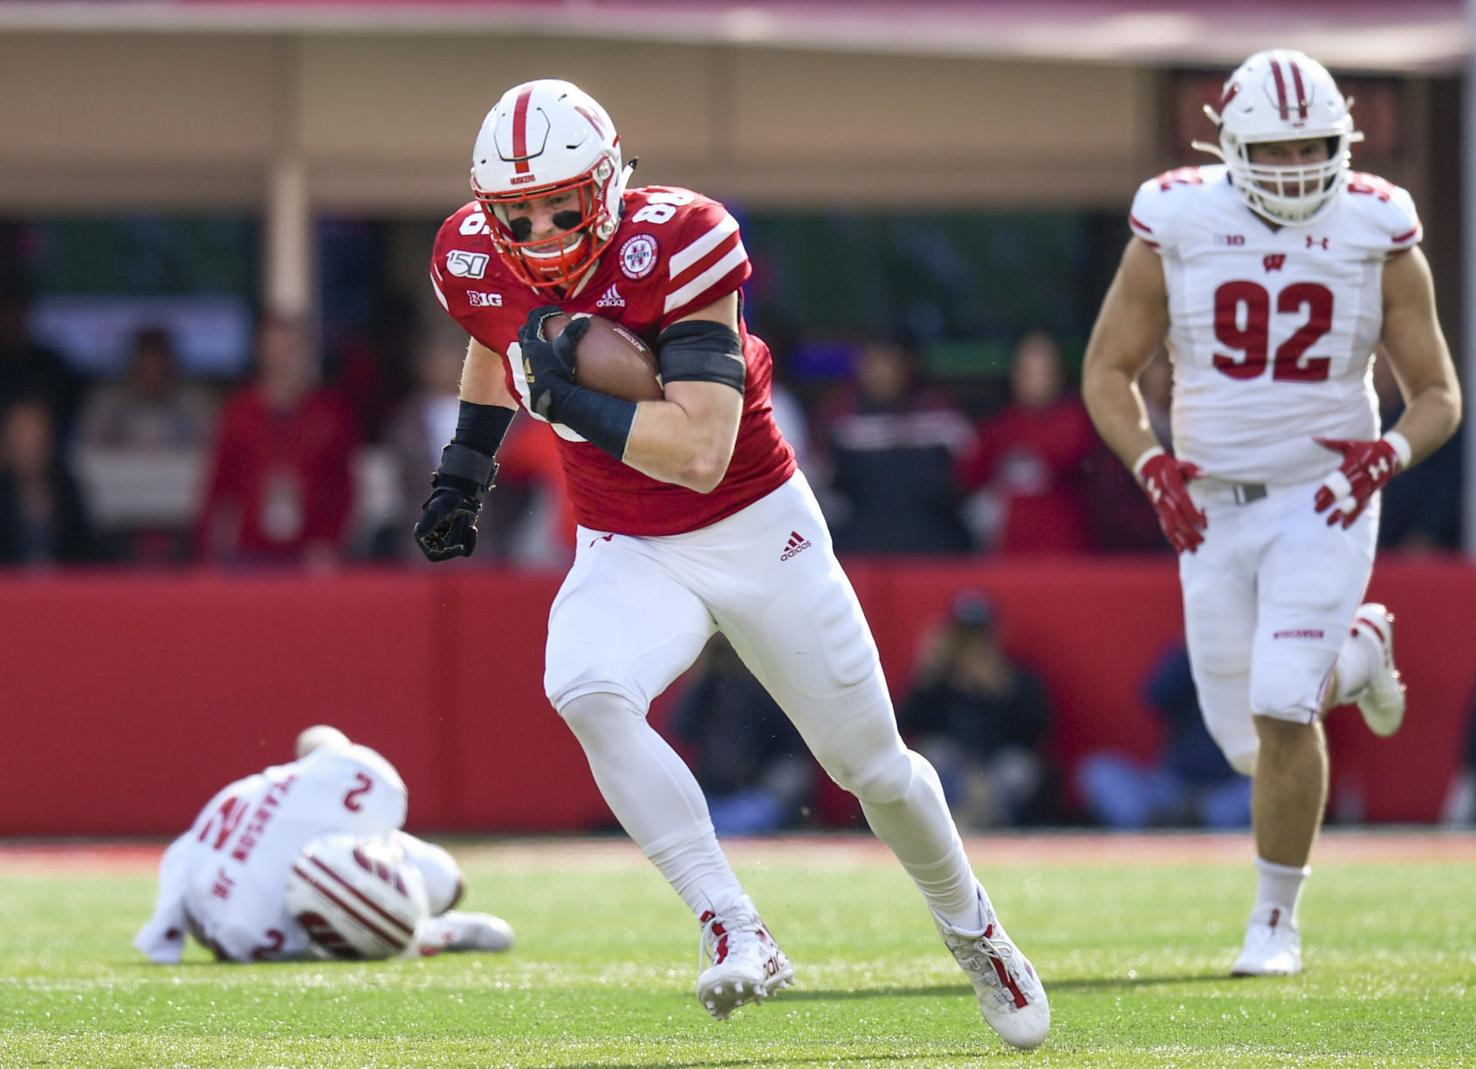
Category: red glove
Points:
column 1165, row 481
column 1367, row 468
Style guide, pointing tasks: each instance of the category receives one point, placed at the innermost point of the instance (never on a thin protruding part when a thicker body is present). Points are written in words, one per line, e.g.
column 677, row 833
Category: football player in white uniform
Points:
column 307, row 858
column 1274, row 276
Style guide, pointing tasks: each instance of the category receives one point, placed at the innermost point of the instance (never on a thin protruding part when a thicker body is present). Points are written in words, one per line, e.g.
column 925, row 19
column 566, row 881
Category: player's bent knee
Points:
column 882, row 779
column 590, row 715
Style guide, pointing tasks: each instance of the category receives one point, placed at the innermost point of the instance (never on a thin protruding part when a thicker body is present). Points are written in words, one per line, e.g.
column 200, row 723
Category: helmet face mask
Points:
column 1283, row 96
column 542, row 139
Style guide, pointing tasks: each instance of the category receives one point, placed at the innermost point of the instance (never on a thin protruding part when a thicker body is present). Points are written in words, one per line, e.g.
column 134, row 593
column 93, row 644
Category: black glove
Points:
column 448, row 521
column 549, row 365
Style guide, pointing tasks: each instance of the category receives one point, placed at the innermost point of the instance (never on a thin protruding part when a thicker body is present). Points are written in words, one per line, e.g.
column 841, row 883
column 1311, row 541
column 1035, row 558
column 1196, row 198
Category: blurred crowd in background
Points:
column 293, row 465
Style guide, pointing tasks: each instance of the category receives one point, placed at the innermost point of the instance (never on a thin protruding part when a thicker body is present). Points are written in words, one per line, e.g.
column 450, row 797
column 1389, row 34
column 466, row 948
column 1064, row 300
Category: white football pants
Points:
column 635, row 612
column 1268, row 602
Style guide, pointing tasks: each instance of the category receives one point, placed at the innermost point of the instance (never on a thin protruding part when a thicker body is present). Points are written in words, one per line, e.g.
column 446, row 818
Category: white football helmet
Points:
column 356, row 898
column 545, row 137
column 1283, row 95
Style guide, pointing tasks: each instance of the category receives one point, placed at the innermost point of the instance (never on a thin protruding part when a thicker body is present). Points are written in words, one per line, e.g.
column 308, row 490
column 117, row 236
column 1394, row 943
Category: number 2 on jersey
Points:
column 351, row 799
column 1249, row 303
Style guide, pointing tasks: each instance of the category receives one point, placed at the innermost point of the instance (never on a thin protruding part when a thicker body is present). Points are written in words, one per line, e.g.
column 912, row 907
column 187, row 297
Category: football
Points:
column 611, row 359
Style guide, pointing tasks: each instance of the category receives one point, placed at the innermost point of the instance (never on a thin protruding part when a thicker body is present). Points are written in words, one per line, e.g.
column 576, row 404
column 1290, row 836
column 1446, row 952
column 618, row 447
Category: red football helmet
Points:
column 542, row 138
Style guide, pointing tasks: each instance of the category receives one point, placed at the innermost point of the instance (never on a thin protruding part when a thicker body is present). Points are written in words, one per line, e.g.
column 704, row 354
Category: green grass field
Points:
column 1132, row 937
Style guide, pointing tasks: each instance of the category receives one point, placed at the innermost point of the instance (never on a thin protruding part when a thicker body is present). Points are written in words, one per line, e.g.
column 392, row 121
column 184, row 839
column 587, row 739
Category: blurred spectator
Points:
column 1189, row 784
column 749, row 759
column 1122, row 519
column 150, row 408
column 1459, row 809
column 140, row 450
column 30, row 370
column 980, row 720
column 419, row 428
column 532, row 520
column 281, row 485
column 42, row 516
column 1421, row 509
column 1031, row 456
column 528, row 518
column 891, row 448
column 374, row 374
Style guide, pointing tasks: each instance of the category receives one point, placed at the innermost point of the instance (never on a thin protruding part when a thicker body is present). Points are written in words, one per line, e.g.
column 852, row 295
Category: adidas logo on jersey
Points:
column 611, row 299
column 798, row 543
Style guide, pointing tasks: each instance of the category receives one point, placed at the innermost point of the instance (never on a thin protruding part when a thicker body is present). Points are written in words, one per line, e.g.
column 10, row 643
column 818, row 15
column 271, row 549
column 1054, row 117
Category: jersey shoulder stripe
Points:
column 686, row 257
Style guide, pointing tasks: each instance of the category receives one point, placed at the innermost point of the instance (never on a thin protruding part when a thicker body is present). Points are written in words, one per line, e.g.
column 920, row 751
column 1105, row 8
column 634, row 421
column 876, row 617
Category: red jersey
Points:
column 674, row 253
column 287, row 474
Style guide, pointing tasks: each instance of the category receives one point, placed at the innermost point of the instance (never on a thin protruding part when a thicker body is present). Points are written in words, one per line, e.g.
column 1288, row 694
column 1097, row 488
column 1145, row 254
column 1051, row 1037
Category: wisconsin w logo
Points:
column 1275, row 262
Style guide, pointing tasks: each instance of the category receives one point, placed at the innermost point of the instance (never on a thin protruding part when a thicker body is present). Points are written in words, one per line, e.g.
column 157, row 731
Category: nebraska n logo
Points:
column 797, row 543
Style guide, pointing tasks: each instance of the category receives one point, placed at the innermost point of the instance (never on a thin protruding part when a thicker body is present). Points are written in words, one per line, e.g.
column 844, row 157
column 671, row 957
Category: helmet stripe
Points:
column 397, row 922
column 391, row 942
column 520, row 129
column 1280, row 90
column 1301, row 92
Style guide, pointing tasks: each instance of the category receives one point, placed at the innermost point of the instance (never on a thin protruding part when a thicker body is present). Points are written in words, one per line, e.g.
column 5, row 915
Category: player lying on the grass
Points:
column 1274, row 276
column 306, row 859
column 693, row 519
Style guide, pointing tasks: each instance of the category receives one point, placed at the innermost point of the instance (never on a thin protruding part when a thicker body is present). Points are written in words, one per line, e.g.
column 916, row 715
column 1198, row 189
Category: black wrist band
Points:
column 604, row 421
column 481, row 427
column 466, row 466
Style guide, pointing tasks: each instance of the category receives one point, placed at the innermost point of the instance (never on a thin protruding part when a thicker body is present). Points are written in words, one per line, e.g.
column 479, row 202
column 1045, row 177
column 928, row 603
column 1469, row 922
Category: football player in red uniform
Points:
column 693, row 518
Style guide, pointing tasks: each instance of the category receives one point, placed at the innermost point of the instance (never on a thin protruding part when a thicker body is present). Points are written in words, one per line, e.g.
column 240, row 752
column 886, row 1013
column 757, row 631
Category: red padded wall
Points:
column 125, row 700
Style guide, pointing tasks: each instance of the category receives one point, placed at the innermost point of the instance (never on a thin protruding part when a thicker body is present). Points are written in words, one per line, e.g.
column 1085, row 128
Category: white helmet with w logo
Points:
column 356, row 898
column 1283, row 95
column 546, row 137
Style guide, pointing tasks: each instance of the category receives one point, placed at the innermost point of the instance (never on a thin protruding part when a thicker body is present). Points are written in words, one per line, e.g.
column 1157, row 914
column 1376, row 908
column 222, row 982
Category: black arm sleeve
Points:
column 702, row 351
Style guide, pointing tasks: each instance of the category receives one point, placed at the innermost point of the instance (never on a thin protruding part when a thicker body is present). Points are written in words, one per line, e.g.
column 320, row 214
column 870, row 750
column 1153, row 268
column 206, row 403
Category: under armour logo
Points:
column 1312, row 242
column 1275, row 262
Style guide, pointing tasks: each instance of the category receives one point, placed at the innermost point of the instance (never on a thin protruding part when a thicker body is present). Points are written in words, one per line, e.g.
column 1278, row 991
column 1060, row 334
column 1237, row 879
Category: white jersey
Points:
column 1271, row 332
column 225, row 879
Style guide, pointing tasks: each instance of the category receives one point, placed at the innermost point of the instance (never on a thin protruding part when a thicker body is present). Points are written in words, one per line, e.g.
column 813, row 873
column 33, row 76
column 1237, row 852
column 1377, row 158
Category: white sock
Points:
column 1278, row 887
column 1358, row 660
column 921, row 832
column 655, row 797
column 694, row 865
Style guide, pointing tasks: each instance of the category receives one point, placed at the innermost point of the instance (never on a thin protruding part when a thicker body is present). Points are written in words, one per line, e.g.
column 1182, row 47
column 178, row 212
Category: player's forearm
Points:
column 1117, row 411
column 672, row 445
column 1430, row 418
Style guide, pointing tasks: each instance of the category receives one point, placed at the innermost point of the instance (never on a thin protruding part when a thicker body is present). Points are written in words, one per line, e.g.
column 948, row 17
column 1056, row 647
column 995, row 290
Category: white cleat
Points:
column 456, row 931
column 1382, row 701
column 1273, row 947
column 1011, row 996
column 744, row 964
